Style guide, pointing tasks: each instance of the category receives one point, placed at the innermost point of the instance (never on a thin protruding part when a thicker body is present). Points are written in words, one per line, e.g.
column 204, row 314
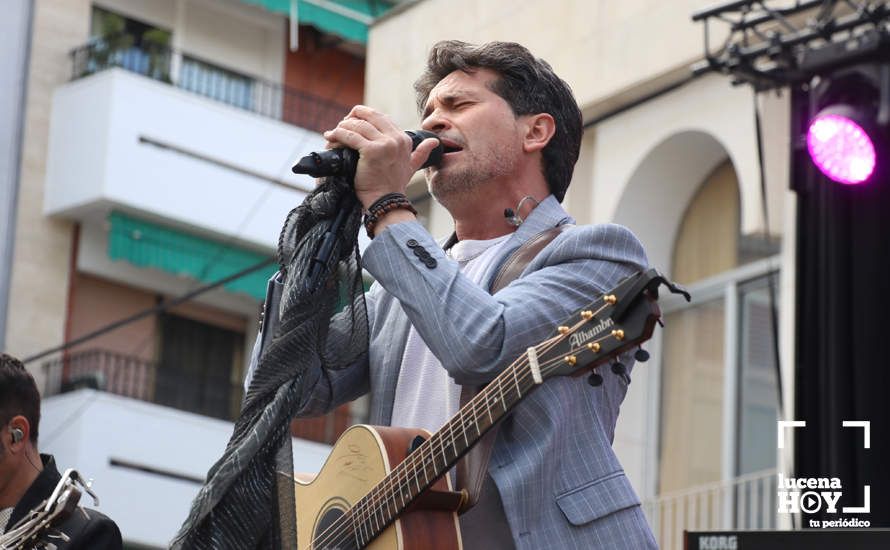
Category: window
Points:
column 758, row 388
column 718, row 381
column 120, row 41
column 200, row 367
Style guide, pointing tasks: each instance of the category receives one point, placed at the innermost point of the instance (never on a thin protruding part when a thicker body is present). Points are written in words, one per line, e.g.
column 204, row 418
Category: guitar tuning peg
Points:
column 595, row 379
column 618, row 368
column 641, row 355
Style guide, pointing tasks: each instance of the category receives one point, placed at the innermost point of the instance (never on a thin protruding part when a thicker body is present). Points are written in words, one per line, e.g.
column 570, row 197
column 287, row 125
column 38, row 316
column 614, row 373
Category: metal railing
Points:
column 101, row 370
column 141, row 379
column 745, row 503
column 201, row 77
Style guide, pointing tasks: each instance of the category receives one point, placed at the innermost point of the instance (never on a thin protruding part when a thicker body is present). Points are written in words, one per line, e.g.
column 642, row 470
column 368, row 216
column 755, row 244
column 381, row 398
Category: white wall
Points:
column 96, row 162
column 87, row 429
column 602, row 48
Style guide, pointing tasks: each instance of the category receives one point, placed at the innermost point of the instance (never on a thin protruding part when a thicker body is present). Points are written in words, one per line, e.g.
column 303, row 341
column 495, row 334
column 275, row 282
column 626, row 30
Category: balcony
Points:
column 168, row 138
column 201, row 77
column 142, row 379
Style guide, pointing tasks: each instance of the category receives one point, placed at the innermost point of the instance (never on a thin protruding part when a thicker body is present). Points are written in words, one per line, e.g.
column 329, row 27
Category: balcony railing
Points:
column 201, row 77
column 141, row 379
column 744, row 503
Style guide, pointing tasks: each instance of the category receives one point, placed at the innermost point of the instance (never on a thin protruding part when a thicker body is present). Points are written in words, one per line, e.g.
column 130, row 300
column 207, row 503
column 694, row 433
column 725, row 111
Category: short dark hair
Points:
column 528, row 84
column 18, row 394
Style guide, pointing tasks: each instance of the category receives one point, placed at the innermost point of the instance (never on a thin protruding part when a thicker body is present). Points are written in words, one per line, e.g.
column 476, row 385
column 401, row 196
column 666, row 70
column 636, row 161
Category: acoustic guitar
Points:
column 385, row 488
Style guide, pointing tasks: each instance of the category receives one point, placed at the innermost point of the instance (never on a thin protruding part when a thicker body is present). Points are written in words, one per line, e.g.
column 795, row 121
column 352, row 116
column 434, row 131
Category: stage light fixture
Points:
column 840, row 146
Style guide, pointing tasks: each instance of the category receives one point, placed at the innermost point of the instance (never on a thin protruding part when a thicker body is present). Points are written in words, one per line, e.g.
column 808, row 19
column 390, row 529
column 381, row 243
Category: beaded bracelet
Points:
column 386, row 203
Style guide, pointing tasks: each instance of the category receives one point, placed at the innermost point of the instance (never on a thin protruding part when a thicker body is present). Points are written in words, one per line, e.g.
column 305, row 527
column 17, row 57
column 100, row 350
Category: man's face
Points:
column 478, row 129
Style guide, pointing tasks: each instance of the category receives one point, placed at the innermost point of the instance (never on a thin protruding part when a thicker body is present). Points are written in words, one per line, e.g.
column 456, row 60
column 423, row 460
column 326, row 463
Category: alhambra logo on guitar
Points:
column 578, row 338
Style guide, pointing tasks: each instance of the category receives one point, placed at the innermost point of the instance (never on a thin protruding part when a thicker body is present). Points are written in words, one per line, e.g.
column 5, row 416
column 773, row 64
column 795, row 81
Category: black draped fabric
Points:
column 239, row 506
column 843, row 303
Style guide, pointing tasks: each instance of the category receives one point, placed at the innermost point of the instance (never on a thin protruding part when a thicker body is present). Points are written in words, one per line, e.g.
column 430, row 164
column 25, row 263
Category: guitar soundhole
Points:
column 328, row 519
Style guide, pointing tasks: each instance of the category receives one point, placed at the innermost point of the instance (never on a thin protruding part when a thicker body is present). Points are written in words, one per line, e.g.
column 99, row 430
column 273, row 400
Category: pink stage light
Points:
column 841, row 149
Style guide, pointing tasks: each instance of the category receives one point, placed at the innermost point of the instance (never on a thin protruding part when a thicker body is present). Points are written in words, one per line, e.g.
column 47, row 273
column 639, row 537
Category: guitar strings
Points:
column 400, row 471
column 408, row 467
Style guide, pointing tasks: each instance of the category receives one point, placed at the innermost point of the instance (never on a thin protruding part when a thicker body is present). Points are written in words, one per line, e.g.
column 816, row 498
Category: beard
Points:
column 448, row 184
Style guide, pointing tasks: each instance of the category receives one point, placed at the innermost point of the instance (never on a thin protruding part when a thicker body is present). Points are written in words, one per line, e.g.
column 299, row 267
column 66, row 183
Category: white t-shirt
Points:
column 426, row 396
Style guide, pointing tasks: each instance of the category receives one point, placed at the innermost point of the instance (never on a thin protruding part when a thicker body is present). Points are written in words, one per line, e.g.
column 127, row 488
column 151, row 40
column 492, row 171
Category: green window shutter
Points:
column 348, row 19
column 151, row 245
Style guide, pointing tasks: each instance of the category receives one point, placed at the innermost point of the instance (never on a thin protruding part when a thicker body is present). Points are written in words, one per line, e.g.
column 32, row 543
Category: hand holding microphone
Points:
column 379, row 156
column 336, row 162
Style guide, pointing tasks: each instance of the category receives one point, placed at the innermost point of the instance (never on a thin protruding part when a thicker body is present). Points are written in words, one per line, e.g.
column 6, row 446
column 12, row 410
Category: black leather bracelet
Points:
column 387, row 203
column 387, row 197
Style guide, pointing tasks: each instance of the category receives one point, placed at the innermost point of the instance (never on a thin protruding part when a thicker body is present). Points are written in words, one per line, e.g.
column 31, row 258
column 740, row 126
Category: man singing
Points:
column 512, row 132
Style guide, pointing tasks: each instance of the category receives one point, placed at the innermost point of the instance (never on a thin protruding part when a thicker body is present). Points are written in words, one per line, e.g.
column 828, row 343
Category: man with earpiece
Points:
column 28, row 478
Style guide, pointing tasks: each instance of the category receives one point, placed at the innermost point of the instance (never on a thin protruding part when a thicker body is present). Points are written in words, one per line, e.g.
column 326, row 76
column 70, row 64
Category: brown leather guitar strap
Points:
column 473, row 467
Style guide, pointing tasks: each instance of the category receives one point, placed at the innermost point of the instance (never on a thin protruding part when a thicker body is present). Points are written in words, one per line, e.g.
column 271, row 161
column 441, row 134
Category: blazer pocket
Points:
column 597, row 498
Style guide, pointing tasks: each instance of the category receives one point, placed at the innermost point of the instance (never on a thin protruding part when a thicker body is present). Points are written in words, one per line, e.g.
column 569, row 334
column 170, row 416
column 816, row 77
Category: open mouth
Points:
column 449, row 146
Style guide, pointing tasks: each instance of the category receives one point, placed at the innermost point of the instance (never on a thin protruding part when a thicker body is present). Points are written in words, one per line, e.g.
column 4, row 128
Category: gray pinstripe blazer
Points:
column 560, row 482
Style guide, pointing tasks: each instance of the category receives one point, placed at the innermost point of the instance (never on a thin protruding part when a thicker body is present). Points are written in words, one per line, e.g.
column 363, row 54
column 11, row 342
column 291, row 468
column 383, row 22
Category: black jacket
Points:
column 87, row 529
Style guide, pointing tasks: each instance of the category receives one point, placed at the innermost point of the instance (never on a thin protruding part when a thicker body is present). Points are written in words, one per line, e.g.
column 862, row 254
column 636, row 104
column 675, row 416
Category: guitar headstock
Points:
column 619, row 320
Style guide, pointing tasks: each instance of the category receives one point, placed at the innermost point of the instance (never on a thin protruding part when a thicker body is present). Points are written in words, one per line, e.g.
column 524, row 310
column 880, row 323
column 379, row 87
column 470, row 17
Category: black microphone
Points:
column 342, row 161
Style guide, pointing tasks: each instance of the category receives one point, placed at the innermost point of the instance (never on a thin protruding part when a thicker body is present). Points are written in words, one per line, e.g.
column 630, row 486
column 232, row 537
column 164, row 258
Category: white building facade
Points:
column 155, row 154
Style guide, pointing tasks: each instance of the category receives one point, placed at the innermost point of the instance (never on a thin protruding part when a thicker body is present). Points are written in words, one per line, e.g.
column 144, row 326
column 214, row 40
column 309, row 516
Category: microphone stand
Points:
column 326, row 247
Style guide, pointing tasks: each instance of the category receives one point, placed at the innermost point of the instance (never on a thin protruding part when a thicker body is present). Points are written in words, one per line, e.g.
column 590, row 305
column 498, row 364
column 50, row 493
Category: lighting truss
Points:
column 774, row 43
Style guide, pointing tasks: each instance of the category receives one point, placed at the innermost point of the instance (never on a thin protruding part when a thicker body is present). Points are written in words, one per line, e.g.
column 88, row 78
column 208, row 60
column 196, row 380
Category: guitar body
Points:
column 361, row 458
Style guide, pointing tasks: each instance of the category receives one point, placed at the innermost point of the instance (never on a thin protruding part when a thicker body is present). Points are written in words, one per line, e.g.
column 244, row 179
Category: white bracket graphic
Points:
column 866, row 433
column 788, row 424
column 865, row 509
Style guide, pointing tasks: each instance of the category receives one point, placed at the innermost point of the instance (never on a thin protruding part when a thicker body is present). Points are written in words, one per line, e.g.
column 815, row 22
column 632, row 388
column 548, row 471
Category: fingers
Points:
column 377, row 119
column 361, row 127
column 340, row 136
column 361, row 122
column 419, row 156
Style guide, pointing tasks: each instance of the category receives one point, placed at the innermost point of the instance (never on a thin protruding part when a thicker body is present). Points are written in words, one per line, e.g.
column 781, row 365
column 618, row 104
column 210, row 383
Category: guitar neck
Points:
column 438, row 454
